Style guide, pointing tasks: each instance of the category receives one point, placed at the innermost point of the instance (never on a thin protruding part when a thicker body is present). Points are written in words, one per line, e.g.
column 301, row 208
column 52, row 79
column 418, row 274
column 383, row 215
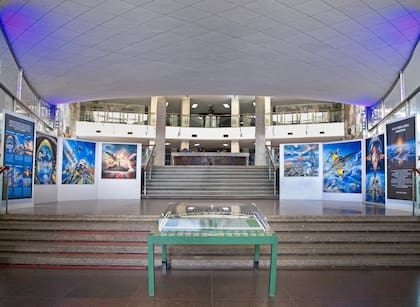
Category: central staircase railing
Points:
column 3, row 170
column 273, row 168
column 147, row 169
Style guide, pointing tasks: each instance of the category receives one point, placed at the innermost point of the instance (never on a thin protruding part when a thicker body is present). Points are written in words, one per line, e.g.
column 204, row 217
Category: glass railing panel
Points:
column 247, row 120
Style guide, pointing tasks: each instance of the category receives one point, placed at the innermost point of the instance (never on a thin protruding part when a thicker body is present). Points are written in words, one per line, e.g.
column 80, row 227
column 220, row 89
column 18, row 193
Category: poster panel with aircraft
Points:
column 301, row 160
column 400, row 158
column 375, row 169
column 78, row 162
column 342, row 167
column 119, row 161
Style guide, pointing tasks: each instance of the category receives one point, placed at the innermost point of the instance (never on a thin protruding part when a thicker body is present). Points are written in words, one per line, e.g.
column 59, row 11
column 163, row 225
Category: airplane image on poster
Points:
column 301, row 160
column 342, row 167
column 119, row 161
column 78, row 162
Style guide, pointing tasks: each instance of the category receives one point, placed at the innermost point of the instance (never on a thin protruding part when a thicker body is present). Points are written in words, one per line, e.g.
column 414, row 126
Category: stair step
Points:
column 120, row 241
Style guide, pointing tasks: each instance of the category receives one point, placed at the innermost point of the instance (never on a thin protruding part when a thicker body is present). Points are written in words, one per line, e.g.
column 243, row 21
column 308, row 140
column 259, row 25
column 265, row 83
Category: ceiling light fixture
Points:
column 194, row 106
column 226, row 106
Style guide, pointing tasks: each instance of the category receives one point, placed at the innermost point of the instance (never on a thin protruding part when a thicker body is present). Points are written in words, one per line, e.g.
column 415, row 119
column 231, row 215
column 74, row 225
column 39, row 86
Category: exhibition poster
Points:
column 119, row 161
column 301, row 160
column 45, row 159
column 401, row 158
column 342, row 167
column 78, row 162
column 375, row 169
column 18, row 155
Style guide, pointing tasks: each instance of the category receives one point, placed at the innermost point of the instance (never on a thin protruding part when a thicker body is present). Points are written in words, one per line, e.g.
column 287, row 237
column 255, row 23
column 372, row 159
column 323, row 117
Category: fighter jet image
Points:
column 339, row 162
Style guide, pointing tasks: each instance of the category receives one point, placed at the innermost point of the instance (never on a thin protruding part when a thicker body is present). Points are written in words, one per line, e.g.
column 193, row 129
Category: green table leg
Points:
column 273, row 269
column 151, row 267
column 256, row 256
column 164, row 257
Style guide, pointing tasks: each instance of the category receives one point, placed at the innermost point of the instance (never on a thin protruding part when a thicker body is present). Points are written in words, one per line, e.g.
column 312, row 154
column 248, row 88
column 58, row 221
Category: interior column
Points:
column 234, row 121
column 260, row 130
column 185, row 119
column 160, row 129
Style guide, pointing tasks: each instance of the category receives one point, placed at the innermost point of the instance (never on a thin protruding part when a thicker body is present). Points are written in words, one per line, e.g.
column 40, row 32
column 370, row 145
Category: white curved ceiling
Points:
column 335, row 50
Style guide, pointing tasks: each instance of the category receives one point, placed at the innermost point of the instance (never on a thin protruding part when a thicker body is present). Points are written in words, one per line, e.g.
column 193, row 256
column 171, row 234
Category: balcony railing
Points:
column 213, row 120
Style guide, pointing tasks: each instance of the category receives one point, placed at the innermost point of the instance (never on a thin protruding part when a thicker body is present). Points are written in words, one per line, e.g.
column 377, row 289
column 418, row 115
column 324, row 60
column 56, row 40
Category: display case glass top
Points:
column 192, row 217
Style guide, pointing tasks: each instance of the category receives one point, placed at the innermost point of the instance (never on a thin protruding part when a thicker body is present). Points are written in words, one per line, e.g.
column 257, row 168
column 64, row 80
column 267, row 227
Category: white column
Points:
column 152, row 110
column 185, row 144
column 260, row 131
column 160, row 130
column 234, row 111
column 185, row 119
column 185, row 111
column 234, row 146
column 268, row 117
column 402, row 86
column 234, row 121
column 19, row 84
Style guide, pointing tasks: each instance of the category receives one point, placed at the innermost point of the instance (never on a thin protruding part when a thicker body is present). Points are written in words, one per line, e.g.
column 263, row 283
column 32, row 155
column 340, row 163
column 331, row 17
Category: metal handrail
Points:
column 395, row 110
column 416, row 171
column 148, row 165
column 6, row 183
column 271, row 165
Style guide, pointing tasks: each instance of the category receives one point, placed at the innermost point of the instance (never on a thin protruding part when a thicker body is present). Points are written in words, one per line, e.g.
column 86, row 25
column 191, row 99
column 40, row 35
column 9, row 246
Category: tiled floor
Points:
column 329, row 287
column 156, row 206
column 57, row 287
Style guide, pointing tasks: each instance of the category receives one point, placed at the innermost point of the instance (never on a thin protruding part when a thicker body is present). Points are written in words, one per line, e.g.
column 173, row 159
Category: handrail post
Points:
column 271, row 164
column 148, row 165
column 415, row 172
column 4, row 170
column 6, row 193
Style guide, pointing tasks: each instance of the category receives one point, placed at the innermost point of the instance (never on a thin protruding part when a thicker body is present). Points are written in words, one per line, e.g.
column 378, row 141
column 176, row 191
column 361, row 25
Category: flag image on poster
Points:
column 18, row 155
column 119, row 161
column 375, row 169
column 342, row 167
column 45, row 159
column 78, row 162
column 401, row 158
column 301, row 160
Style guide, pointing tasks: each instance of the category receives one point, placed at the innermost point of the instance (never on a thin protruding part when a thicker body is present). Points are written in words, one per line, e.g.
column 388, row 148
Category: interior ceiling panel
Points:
column 334, row 50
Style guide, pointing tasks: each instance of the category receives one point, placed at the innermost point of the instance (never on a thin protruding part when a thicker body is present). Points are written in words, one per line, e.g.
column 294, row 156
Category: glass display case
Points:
column 212, row 218
column 211, row 224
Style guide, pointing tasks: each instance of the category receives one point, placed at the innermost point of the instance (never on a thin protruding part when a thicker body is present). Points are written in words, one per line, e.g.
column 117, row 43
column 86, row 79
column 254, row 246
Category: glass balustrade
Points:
column 211, row 120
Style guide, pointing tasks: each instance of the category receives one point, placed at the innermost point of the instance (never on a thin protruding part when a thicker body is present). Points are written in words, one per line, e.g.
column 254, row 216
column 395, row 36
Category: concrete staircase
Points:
column 215, row 182
column 120, row 242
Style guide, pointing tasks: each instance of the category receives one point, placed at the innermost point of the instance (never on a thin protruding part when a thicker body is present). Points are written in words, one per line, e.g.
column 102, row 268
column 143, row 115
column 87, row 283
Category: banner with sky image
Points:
column 375, row 169
column 400, row 158
column 78, row 162
column 119, row 161
column 342, row 167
